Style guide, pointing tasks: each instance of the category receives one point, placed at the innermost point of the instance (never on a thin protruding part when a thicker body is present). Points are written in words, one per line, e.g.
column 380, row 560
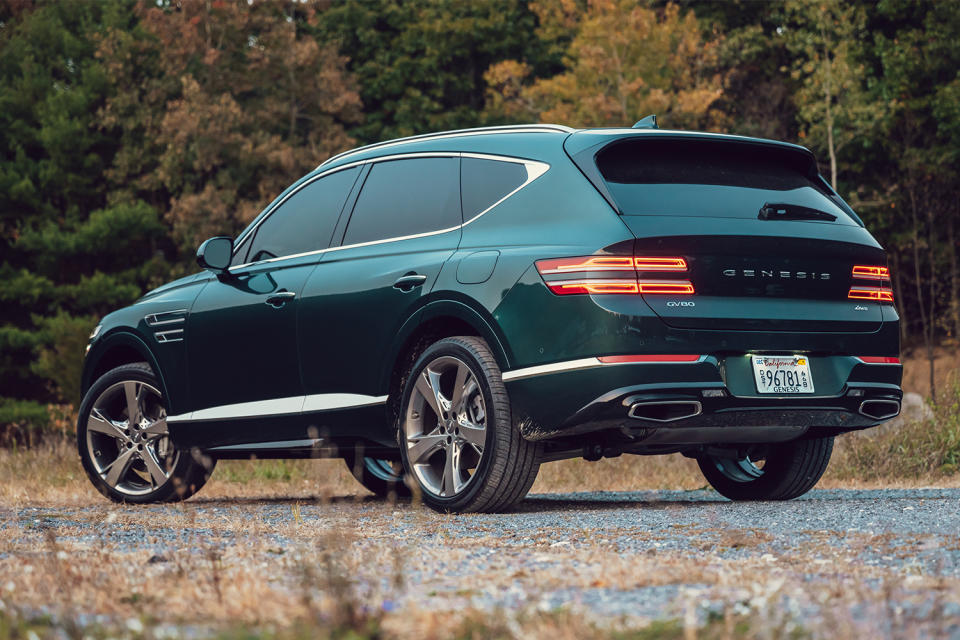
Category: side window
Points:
column 486, row 182
column 304, row 221
column 406, row 197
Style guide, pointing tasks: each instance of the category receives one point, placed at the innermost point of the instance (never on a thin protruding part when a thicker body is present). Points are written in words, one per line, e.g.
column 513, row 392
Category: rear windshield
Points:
column 709, row 178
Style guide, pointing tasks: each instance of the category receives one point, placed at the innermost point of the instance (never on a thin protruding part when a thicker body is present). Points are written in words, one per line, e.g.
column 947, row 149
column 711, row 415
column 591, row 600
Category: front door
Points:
column 242, row 332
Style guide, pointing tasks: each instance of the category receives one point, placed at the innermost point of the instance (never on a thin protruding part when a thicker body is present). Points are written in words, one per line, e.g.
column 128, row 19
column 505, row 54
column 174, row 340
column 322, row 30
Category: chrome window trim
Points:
column 281, row 406
column 460, row 133
column 535, row 169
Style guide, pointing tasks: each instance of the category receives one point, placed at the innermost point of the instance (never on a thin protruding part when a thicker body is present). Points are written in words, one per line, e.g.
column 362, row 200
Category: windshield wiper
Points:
column 793, row 212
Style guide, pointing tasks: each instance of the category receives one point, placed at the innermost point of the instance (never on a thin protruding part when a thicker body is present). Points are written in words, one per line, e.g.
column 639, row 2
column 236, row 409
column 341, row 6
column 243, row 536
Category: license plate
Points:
column 782, row 374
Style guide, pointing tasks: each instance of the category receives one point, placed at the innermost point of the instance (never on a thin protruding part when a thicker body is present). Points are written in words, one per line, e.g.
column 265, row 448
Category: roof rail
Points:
column 512, row 128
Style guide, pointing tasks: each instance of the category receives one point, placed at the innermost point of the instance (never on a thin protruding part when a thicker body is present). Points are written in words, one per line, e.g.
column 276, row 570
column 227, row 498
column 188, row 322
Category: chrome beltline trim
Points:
column 281, row 406
column 535, row 169
column 574, row 365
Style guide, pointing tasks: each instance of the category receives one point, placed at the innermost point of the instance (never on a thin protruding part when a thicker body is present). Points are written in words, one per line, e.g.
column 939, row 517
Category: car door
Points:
column 242, row 350
column 404, row 225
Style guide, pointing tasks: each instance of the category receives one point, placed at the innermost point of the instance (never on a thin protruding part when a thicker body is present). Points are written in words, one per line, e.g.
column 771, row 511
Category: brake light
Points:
column 604, row 275
column 652, row 263
column 676, row 287
column 599, row 287
column 872, row 273
column 876, row 294
column 590, row 263
column 878, row 359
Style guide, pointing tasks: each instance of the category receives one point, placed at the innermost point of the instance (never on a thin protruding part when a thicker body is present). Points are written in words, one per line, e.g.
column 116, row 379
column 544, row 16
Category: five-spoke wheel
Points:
column 458, row 441
column 124, row 442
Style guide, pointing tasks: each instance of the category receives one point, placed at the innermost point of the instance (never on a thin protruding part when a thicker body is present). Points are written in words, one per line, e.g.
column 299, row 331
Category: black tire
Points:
column 508, row 464
column 381, row 477
column 188, row 470
column 789, row 470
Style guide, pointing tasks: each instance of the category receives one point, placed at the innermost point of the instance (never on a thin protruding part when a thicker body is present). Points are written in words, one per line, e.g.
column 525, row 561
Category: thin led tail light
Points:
column 653, row 263
column 589, row 263
column 598, row 287
column 871, row 273
column 604, row 275
column 675, row 287
column 876, row 294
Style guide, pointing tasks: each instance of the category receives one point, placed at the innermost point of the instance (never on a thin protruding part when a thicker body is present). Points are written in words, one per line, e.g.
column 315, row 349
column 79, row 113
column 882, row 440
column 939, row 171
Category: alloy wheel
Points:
column 127, row 438
column 740, row 470
column 445, row 426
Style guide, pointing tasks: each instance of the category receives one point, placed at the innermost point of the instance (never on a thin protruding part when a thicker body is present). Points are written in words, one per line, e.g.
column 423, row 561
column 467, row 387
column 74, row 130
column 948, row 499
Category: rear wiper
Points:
column 793, row 212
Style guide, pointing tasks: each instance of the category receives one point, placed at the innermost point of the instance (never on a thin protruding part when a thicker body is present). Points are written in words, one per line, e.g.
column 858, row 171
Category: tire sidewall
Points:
column 451, row 347
column 181, row 471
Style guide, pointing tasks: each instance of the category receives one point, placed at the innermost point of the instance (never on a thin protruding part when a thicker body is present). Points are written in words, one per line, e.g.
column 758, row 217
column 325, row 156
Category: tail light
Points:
column 604, row 275
column 871, row 282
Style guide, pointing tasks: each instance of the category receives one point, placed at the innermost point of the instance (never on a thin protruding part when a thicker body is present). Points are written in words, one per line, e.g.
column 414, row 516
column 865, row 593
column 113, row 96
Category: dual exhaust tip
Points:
column 673, row 410
column 665, row 410
column 880, row 409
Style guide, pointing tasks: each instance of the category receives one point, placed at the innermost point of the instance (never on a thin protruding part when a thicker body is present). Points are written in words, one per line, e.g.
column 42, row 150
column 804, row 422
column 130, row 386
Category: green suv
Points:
column 449, row 311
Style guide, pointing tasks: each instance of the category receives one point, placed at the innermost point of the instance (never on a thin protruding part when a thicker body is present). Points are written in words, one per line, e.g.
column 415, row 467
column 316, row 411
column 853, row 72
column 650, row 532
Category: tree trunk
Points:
column 954, row 278
column 918, row 282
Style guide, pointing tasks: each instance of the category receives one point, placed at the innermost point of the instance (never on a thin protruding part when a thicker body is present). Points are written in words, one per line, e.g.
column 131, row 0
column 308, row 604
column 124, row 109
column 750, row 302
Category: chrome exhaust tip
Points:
column 880, row 409
column 665, row 410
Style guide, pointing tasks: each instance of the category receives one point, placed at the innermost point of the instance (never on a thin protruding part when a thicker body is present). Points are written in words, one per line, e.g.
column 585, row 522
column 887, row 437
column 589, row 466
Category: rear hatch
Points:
column 768, row 246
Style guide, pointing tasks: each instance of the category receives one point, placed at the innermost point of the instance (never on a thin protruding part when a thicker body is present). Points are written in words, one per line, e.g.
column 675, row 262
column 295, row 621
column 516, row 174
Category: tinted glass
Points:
column 406, row 197
column 486, row 182
column 709, row 178
column 305, row 220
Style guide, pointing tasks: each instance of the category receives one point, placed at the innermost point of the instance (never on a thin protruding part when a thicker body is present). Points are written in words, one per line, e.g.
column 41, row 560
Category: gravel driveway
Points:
column 884, row 563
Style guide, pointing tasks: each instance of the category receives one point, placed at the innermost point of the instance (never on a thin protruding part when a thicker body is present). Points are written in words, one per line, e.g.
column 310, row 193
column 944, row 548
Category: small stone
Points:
column 157, row 558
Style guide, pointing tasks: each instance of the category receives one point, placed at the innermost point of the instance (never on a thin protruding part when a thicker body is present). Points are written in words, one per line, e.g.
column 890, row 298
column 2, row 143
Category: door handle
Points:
column 409, row 282
column 278, row 299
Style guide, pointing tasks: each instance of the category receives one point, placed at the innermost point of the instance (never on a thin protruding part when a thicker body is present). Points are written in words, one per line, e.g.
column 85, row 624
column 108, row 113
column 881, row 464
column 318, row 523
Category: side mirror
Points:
column 215, row 254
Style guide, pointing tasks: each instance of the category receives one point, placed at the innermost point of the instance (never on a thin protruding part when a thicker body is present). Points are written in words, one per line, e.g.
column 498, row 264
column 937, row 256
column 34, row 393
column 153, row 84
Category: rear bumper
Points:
column 710, row 400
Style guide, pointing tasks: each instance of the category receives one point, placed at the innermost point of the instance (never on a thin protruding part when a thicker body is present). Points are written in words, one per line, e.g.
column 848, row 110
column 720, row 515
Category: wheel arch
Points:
column 116, row 349
column 436, row 320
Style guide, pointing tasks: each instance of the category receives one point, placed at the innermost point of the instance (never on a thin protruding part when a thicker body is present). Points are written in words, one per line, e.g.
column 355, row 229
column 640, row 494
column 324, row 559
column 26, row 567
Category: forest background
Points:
column 131, row 131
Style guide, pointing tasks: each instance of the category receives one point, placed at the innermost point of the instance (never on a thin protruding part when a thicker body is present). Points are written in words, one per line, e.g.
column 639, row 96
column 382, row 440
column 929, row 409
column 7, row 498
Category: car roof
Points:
column 576, row 140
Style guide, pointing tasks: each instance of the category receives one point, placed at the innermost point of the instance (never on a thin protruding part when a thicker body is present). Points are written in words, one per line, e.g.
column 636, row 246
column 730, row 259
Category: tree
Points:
column 624, row 62
column 834, row 105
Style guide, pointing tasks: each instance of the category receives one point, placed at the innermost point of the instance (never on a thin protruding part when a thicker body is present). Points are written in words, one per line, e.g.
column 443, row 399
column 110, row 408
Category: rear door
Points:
column 404, row 225
column 768, row 246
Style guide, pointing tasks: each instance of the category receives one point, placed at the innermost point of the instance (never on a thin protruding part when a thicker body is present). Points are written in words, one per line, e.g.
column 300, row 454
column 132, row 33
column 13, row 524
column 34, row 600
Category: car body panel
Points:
column 249, row 378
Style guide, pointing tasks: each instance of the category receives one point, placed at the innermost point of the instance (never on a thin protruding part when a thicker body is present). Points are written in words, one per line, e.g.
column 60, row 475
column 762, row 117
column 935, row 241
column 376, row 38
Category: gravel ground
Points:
column 872, row 562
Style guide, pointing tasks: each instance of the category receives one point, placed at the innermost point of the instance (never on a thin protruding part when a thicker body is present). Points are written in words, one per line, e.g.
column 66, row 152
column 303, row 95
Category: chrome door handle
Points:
column 278, row 299
column 409, row 281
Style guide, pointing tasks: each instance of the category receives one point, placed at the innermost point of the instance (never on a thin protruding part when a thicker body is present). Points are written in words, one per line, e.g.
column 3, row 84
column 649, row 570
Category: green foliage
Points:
column 130, row 130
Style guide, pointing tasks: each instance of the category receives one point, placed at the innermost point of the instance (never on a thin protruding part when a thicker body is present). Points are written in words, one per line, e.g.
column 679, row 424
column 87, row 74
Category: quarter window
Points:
column 486, row 182
column 406, row 197
column 304, row 221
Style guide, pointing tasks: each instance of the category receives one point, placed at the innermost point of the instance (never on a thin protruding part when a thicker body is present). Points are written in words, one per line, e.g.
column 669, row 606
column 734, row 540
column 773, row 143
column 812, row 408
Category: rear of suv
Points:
column 447, row 312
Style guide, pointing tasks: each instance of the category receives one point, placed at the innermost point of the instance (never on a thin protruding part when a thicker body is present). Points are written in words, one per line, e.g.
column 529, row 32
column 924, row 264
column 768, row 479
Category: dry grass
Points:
column 339, row 570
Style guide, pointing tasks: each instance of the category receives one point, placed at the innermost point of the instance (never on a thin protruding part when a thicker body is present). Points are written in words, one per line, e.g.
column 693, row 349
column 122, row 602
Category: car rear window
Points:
column 406, row 197
column 709, row 178
column 484, row 183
